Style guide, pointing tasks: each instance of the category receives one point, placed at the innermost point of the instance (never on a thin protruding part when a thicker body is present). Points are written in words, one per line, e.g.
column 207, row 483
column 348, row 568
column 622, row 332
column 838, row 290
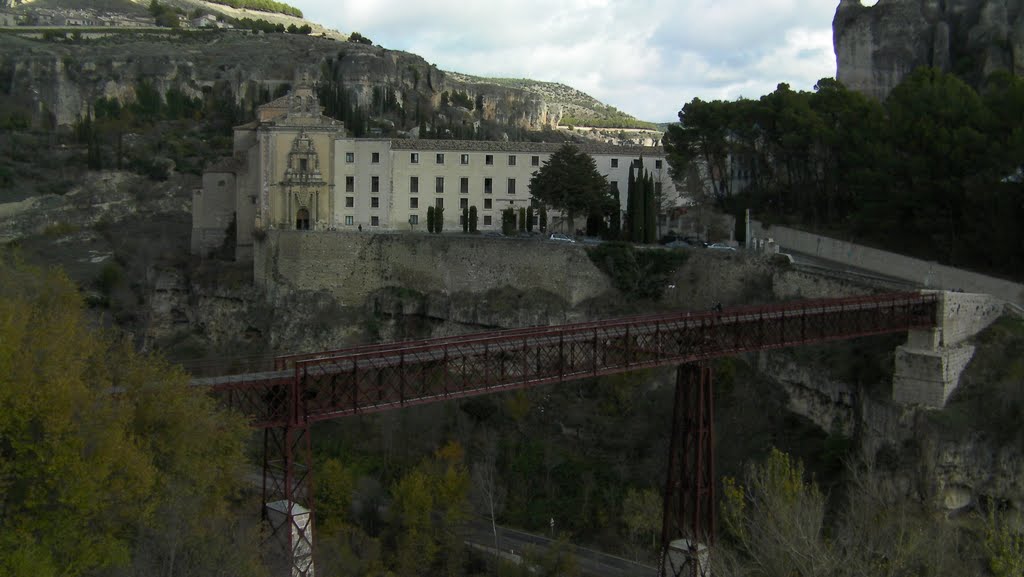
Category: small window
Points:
column 615, row 163
column 221, row 182
column 657, row 164
column 489, row 159
column 374, row 221
column 487, row 220
column 414, row 184
column 488, row 186
column 350, row 157
column 414, row 202
column 375, row 158
column 374, row 202
column 511, row 186
column 414, row 219
column 487, row 204
column 303, row 164
column 534, row 161
column 350, row 201
column 511, row 160
column 414, row 158
column 348, row 221
column 440, row 158
column 439, row 184
column 464, row 159
column 374, row 184
column 463, row 203
column 350, row 184
column 464, row 185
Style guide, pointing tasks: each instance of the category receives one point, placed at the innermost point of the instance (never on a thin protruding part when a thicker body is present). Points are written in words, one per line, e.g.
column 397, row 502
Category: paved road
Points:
column 513, row 543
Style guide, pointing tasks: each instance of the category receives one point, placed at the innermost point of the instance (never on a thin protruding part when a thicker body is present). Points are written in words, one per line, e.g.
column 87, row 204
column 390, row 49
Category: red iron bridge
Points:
column 309, row 388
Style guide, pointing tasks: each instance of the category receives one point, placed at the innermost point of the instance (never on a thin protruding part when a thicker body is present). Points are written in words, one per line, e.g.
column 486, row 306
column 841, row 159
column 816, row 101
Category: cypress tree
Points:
column 650, row 210
column 529, row 219
column 438, row 219
column 465, row 220
column 543, row 219
column 522, row 219
column 430, row 219
column 472, row 219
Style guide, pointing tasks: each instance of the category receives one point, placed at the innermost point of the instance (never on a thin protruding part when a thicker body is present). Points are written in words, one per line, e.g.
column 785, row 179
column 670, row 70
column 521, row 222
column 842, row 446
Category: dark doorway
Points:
column 302, row 220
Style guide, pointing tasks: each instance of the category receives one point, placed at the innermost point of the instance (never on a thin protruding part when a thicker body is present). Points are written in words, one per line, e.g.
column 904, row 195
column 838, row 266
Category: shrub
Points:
column 640, row 274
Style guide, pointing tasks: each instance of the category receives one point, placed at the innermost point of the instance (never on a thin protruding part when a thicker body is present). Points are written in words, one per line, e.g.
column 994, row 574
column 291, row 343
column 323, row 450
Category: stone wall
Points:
column 925, row 273
column 353, row 266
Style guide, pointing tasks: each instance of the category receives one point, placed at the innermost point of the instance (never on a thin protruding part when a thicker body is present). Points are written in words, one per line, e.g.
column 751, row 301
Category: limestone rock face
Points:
column 877, row 46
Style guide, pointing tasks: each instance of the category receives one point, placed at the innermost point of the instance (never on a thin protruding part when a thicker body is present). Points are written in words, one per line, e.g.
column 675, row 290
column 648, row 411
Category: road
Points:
column 513, row 543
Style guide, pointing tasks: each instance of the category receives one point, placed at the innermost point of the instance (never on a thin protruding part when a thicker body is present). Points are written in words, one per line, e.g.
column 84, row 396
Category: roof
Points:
column 228, row 164
column 510, row 146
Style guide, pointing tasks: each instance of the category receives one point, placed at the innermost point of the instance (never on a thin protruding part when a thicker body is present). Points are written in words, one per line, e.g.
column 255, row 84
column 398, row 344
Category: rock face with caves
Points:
column 877, row 46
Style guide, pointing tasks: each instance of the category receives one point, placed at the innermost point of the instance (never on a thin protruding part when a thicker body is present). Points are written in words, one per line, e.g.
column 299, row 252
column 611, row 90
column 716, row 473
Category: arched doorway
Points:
column 302, row 219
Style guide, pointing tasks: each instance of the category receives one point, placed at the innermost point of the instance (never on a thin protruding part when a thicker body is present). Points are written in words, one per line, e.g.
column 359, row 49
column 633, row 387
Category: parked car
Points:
column 694, row 241
column 720, row 246
column 678, row 244
column 557, row 236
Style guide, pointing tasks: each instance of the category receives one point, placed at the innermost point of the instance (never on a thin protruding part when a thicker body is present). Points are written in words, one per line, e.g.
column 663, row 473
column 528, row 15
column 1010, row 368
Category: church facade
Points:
column 295, row 169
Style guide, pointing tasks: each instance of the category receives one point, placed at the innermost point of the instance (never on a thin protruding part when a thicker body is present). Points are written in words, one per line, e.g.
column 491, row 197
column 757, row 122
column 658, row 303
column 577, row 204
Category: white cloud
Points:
column 646, row 57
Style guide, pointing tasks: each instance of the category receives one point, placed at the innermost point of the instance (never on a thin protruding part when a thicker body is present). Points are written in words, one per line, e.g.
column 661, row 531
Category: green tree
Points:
column 522, row 219
column 508, row 221
column 543, row 219
column 465, row 220
column 431, row 217
column 569, row 181
column 473, row 218
column 529, row 219
column 642, row 514
column 438, row 219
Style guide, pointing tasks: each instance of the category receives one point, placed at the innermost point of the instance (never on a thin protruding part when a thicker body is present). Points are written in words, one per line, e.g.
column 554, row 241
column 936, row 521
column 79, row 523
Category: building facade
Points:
column 294, row 168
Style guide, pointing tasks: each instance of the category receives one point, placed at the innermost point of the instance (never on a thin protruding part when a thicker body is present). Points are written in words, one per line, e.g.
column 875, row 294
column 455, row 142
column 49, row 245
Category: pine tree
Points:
column 430, row 219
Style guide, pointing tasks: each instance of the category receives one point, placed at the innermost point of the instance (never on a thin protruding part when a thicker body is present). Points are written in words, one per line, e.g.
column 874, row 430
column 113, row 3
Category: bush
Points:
column 640, row 274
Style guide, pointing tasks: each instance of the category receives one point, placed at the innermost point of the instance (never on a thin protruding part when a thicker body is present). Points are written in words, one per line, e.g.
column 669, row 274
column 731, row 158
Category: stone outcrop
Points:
column 877, row 46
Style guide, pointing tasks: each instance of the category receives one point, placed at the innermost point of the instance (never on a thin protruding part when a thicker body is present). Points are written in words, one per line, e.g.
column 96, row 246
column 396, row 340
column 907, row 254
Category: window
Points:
column 414, row 184
column 375, row 157
column 511, row 186
column 511, row 160
column 350, row 201
column 488, row 186
column 534, row 161
column 440, row 158
column 463, row 203
column 303, row 164
column 348, row 221
column 374, row 184
column 489, row 159
column 464, row 159
column 439, row 184
column 414, row 158
column 374, row 221
column 487, row 204
column 657, row 164
column 414, row 202
column 438, row 203
column 350, row 184
column 350, row 157
column 464, row 185
column 221, row 182
column 615, row 163
column 414, row 219
column 374, row 202
column 487, row 220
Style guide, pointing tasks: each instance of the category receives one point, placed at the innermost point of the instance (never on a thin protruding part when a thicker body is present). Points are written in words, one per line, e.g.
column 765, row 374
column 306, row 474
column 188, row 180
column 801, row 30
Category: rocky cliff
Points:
column 877, row 46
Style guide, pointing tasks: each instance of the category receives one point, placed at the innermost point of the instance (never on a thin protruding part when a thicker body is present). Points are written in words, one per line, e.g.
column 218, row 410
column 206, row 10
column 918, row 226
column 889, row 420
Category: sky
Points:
column 644, row 57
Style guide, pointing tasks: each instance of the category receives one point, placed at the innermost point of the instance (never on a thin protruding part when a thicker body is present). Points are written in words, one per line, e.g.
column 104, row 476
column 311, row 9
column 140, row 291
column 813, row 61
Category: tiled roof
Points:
column 501, row 146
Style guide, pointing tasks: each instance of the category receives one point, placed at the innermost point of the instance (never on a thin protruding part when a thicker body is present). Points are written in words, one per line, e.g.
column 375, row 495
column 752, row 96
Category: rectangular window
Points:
column 350, row 184
column 350, row 201
column 348, row 221
column 464, row 159
column 439, row 184
column 615, row 163
column 374, row 202
column 487, row 220
column 414, row 202
column 488, row 186
column 657, row 164
column 511, row 186
column 511, row 160
column 374, row 184
column 414, row 158
column 414, row 184
column 464, row 185
column 534, row 161
column 487, row 204
column 303, row 164
column 374, row 221
column 350, row 157
column 489, row 159
column 440, row 158
column 375, row 157
column 438, row 203
column 463, row 203
column 414, row 219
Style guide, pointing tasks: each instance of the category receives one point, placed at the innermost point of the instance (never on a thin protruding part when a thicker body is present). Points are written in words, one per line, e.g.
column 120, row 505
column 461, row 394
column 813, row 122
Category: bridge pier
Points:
column 688, row 523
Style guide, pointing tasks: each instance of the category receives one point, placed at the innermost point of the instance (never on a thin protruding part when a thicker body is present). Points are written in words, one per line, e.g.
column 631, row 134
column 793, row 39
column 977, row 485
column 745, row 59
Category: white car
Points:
column 561, row 237
column 720, row 246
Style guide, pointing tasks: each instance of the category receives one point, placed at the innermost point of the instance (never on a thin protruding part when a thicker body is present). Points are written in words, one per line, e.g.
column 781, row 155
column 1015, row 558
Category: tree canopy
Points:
column 569, row 181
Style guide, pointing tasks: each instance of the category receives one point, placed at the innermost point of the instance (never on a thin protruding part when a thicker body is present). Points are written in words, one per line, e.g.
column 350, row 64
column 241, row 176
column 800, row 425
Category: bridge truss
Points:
column 305, row 389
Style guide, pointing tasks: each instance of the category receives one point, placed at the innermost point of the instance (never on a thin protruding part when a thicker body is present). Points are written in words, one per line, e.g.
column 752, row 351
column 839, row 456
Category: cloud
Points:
column 645, row 57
